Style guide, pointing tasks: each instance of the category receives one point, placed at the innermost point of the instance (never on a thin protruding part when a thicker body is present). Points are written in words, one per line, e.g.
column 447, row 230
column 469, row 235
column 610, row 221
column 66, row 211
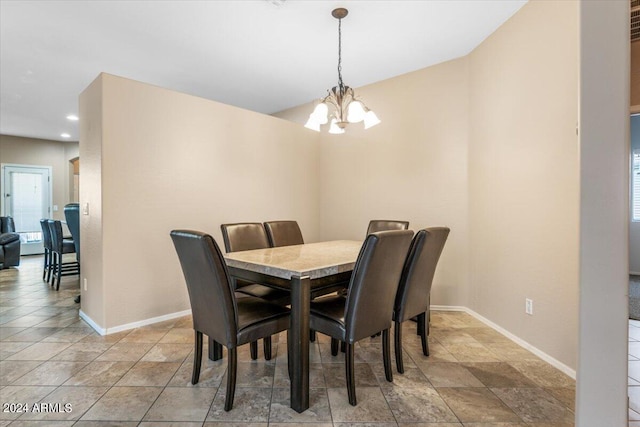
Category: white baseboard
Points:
column 634, row 273
column 133, row 325
column 541, row 354
column 91, row 323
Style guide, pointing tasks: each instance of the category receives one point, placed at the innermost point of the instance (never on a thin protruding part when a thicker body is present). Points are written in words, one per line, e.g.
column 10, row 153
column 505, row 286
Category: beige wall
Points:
column 412, row 166
column 42, row 152
column 170, row 160
column 524, row 177
column 91, row 228
column 486, row 145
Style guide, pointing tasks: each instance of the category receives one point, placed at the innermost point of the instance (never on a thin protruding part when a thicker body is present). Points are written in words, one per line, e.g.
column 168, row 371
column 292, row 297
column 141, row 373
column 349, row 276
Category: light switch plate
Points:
column 85, row 209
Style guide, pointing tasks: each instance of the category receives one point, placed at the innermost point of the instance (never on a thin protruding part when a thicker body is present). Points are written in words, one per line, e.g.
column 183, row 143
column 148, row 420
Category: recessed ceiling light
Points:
column 72, row 117
column 65, row 135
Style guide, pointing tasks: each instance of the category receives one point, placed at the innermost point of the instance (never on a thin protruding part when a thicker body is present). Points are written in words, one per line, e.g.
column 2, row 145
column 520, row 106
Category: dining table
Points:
column 304, row 270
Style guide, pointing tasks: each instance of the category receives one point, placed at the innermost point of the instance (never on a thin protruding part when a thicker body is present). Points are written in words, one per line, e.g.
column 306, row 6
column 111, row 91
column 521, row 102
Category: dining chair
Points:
column 246, row 236
column 59, row 247
column 385, row 225
column 48, row 254
column 368, row 307
column 216, row 311
column 412, row 298
column 283, row 233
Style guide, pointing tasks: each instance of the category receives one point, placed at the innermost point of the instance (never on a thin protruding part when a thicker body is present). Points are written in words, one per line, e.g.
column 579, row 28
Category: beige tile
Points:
column 471, row 352
column 543, row 374
column 149, row 374
column 40, row 351
column 498, row 374
column 534, row 405
column 111, row 338
column 449, row 375
column 125, row 352
column 82, row 352
column 211, row 374
column 68, row 335
column 146, row 335
column 179, row 336
column 371, row 407
column 566, row 396
column 250, row 405
column 181, row 404
column 412, row 377
column 50, row 373
column 99, row 374
column 335, row 375
column 73, row 403
column 418, row 405
column 476, row 405
column 21, row 396
column 123, row 404
column 31, row 334
column 168, row 353
column 281, row 411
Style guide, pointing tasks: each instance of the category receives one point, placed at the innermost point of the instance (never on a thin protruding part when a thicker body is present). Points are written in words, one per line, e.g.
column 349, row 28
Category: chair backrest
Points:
column 417, row 274
column 55, row 228
column 46, row 234
column 386, row 225
column 213, row 304
column 244, row 236
column 72, row 215
column 283, row 233
column 374, row 281
column 7, row 225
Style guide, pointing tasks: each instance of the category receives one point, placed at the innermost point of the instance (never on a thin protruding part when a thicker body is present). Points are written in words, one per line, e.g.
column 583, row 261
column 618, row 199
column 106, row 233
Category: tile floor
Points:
column 474, row 377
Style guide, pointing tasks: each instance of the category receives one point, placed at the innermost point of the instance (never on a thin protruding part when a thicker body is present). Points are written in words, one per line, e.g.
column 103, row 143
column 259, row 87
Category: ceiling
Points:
column 262, row 55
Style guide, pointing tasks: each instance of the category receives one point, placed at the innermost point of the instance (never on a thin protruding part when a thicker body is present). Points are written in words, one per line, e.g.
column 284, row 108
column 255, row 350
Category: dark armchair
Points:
column 9, row 243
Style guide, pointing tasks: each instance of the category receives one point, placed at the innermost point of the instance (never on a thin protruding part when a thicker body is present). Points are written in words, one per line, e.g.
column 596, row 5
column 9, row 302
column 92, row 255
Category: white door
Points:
column 26, row 196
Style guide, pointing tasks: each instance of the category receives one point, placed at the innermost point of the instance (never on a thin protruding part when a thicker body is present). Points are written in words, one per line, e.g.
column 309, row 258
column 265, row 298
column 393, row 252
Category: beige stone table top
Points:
column 312, row 259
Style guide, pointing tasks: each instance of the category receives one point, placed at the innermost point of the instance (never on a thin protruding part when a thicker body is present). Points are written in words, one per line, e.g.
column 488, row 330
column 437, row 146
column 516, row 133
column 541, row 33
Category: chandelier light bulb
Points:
column 341, row 98
column 356, row 112
column 370, row 119
column 334, row 128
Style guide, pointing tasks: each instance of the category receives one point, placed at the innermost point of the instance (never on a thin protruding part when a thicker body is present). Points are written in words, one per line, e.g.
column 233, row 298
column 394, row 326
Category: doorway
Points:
column 26, row 196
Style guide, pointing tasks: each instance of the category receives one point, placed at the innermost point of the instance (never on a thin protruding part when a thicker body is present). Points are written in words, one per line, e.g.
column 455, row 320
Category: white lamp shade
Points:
column 370, row 119
column 312, row 123
column 334, row 129
column 320, row 113
column 355, row 112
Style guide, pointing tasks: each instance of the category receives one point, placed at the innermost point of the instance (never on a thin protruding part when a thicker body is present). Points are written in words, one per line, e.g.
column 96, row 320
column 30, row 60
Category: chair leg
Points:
column 197, row 358
column 312, row 335
column 423, row 336
column 232, row 370
column 46, row 263
column 351, row 380
column 343, row 347
column 420, row 326
column 266, row 343
column 52, row 264
column 397, row 339
column 59, row 275
column 215, row 350
column 289, row 365
column 386, row 355
column 334, row 346
column 253, row 348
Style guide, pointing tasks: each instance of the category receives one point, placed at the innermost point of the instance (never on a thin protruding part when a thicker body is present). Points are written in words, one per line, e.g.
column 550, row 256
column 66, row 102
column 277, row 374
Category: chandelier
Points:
column 346, row 107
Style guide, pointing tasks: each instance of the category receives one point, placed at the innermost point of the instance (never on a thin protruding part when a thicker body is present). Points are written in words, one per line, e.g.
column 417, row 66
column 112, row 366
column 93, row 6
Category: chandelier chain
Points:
column 340, row 84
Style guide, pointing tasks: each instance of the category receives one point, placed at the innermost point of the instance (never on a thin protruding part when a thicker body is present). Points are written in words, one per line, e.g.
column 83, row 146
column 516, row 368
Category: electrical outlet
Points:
column 85, row 283
column 528, row 306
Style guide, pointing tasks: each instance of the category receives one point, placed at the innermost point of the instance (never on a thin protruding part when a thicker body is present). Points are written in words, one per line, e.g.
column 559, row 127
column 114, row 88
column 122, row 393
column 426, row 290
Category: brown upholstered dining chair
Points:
column 59, row 247
column 368, row 307
column 412, row 298
column 385, row 225
column 283, row 233
column 246, row 236
column 216, row 311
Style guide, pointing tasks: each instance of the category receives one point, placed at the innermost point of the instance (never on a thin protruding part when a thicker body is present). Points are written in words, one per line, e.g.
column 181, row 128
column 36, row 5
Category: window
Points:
column 635, row 185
